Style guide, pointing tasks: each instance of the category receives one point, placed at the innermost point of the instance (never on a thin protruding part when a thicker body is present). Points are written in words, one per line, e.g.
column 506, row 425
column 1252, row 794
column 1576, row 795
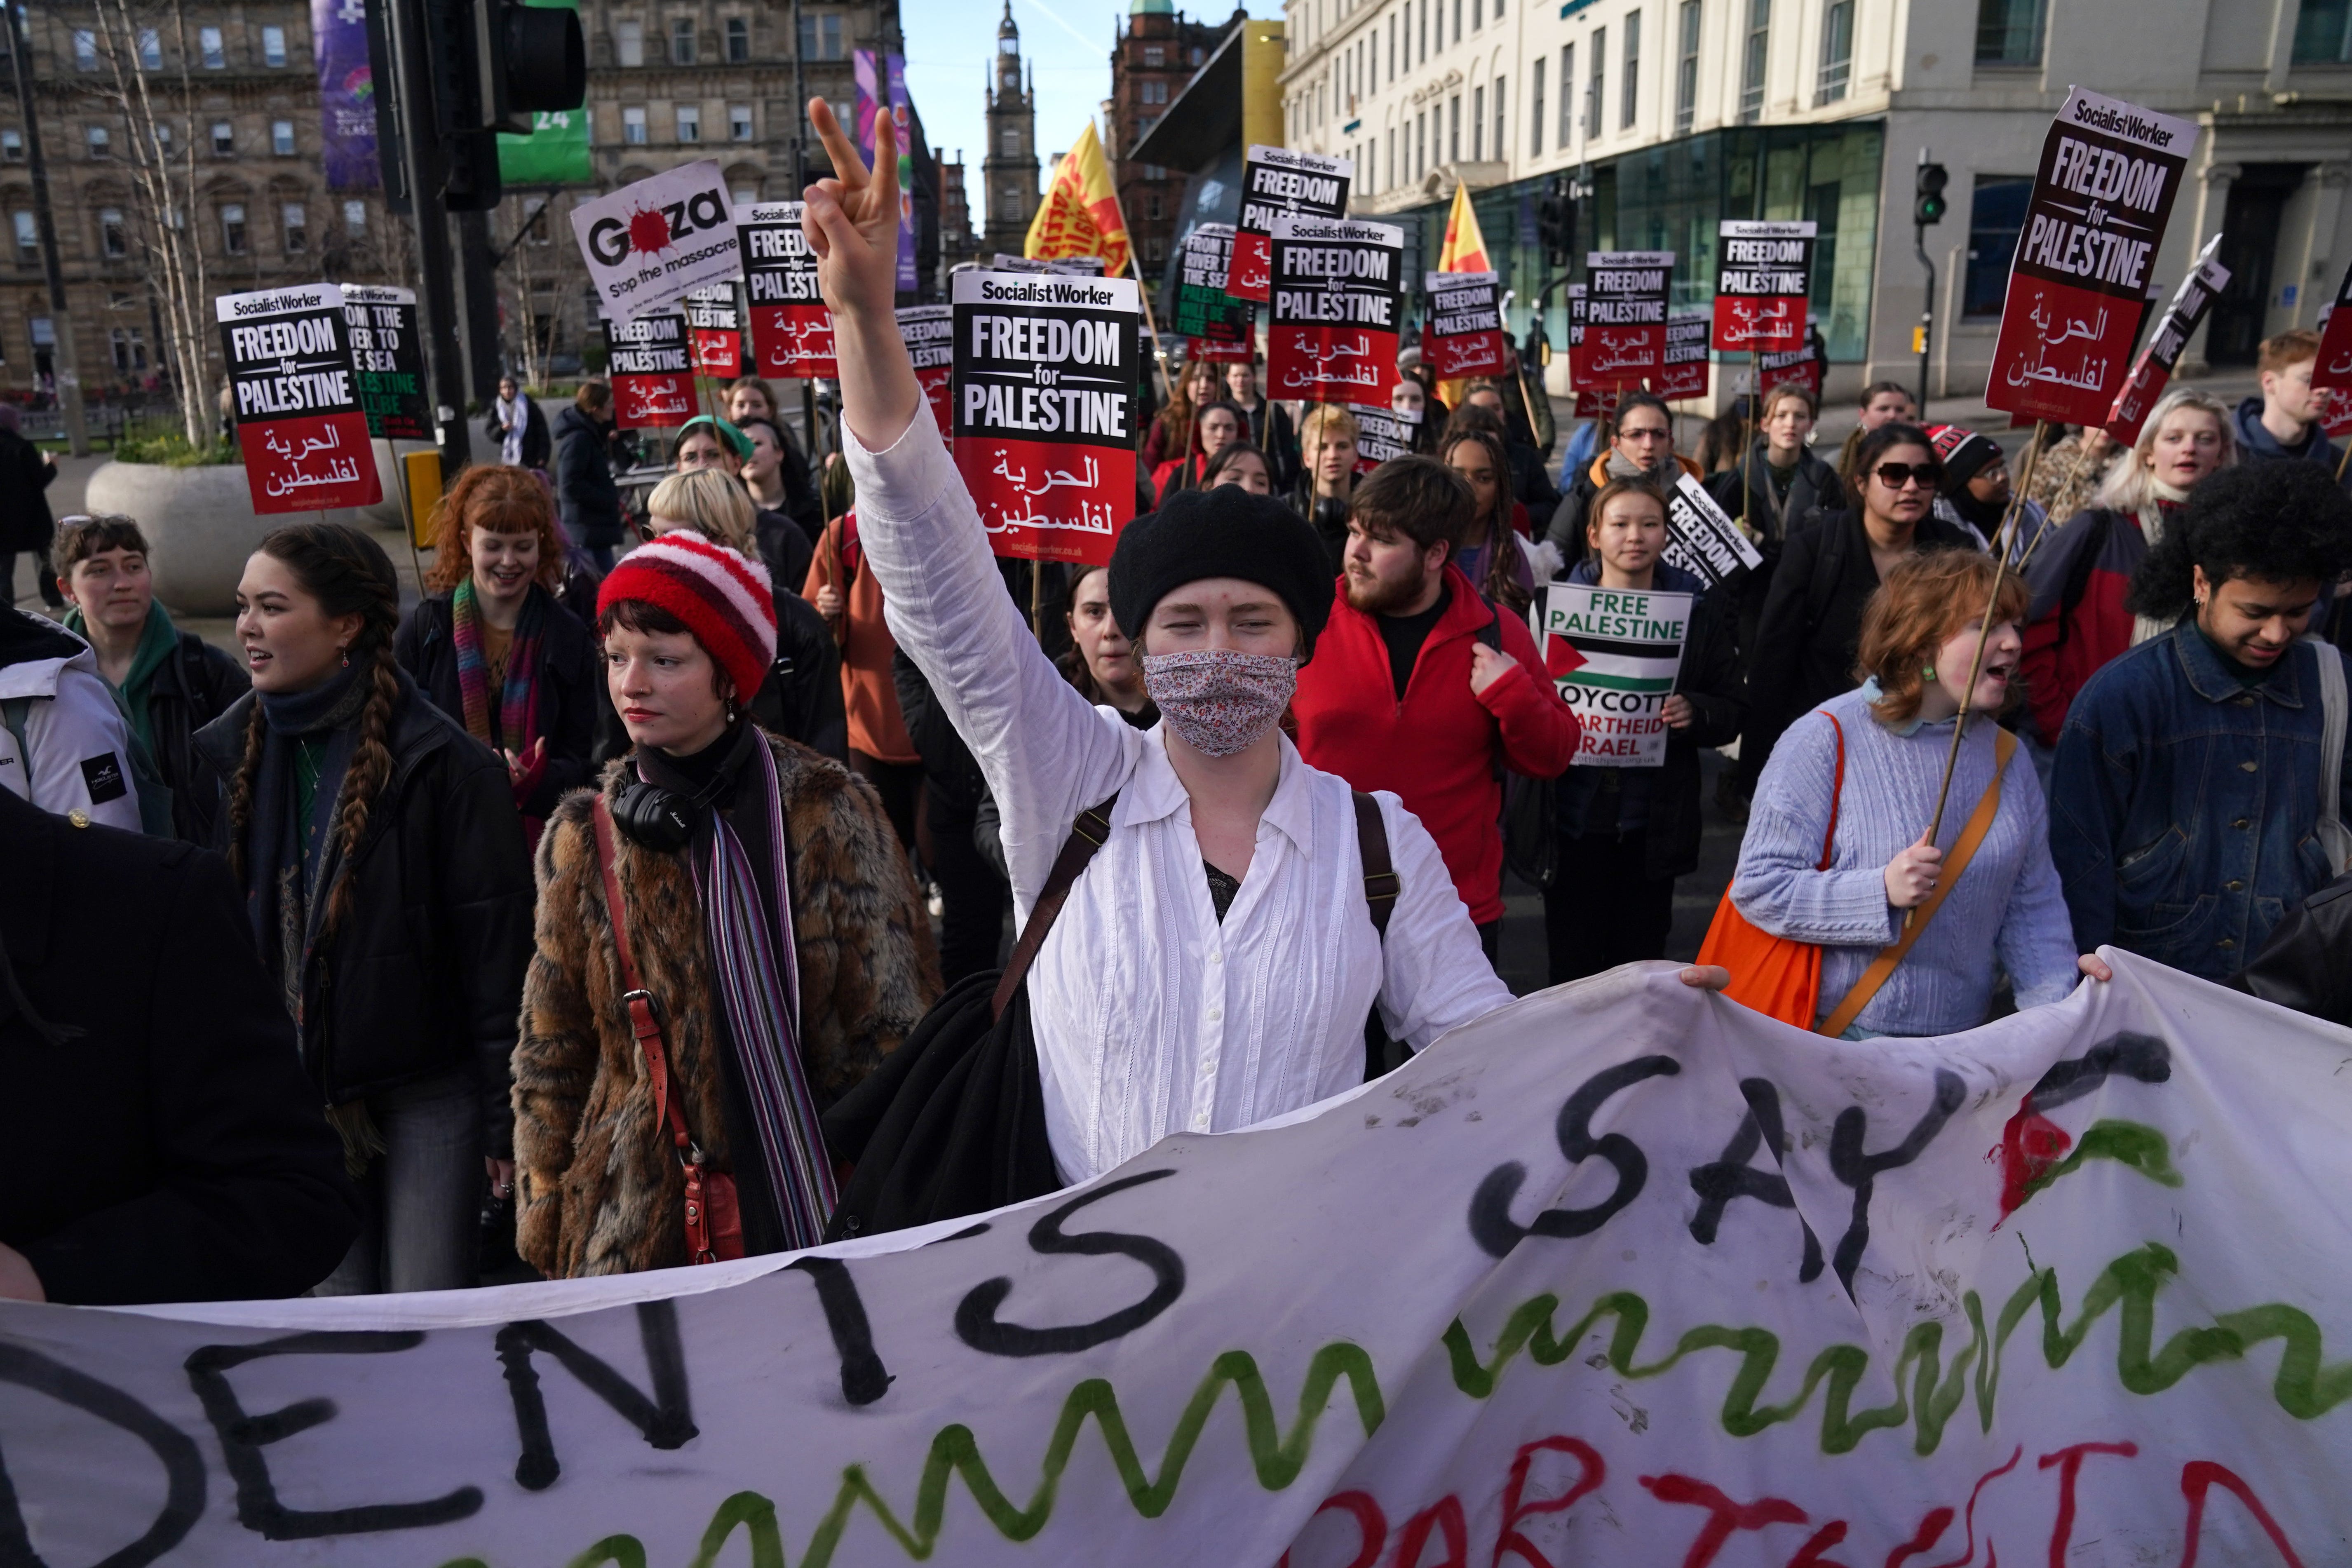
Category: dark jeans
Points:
column 422, row 1198
column 1600, row 911
column 972, row 897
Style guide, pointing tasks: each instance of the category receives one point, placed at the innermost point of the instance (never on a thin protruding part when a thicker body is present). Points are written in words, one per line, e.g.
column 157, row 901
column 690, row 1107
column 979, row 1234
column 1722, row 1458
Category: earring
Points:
column 1928, row 673
column 347, row 656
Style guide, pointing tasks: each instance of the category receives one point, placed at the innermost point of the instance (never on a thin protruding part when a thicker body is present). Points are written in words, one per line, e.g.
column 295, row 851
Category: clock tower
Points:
column 1009, row 170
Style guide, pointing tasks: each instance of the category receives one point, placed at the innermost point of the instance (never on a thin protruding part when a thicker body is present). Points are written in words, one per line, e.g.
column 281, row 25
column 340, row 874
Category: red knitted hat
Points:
column 727, row 601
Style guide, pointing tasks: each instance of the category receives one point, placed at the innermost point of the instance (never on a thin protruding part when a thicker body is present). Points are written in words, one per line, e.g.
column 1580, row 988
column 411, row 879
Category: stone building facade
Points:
column 1009, row 167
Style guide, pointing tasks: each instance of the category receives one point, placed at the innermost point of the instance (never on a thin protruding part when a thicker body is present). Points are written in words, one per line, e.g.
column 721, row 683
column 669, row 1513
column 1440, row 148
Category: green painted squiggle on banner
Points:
column 2141, row 1148
column 2305, row 1387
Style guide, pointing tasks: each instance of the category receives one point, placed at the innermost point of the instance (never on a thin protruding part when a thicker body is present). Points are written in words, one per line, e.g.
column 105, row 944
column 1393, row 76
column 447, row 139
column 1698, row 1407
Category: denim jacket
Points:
column 2184, row 807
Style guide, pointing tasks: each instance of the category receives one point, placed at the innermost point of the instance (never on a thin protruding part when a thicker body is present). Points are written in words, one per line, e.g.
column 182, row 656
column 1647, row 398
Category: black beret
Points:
column 1221, row 532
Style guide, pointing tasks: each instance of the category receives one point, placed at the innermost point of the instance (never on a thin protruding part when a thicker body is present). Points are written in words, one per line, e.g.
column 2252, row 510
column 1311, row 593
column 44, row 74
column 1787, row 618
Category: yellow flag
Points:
column 1080, row 214
column 1465, row 247
column 1465, row 251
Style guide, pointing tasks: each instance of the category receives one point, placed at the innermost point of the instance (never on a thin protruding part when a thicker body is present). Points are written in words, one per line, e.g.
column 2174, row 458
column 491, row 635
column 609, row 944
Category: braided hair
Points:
column 348, row 573
column 1500, row 586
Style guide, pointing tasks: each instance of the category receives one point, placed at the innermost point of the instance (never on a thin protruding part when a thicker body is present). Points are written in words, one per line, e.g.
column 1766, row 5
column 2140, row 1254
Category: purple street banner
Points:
column 877, row 75
column 338, row 39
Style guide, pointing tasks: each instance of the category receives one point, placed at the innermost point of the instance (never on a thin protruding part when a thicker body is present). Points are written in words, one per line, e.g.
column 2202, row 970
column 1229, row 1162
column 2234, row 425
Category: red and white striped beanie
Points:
column 727, row 601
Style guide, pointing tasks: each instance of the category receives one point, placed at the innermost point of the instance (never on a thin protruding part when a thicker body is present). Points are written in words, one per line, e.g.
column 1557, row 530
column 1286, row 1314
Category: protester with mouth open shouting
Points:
column 1215, row 964
column 1837, row 850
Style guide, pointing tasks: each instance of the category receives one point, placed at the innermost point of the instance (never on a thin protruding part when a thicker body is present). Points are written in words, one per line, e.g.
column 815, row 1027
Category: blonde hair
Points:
column 1321, row 420
column 711, row 501
column 2130, row 485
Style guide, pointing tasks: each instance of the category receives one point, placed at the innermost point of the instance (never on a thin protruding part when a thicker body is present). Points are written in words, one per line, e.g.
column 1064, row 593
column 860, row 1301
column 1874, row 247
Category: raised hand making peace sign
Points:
column 852, row 223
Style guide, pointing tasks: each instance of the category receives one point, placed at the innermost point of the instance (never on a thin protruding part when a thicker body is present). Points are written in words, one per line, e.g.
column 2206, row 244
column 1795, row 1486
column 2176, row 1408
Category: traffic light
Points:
column 495, row 63
column 1929, row 205
column 1555, row 220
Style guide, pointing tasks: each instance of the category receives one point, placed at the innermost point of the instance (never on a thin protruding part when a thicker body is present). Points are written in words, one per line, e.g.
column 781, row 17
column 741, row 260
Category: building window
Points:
column 1458, row 21
column 1392, row 32
column 2323, row 33
column 1534, row 113
column 28, row 237
column 821, row 38
column 681, row 41
column 1155, row 92
column 1595, row 90
column 281, row 138
column 1154, row 172
column 1155, row 250
column 1154, row 56
column 1476, row 21
column 1478, row 124
column 1996, row 214
column 1752, row 61
column 1009, row 142
column 1837, row 51
column 100, row 141
column 633, row 127
column 739, row 40
column 1501, row 148
column 298, row 231
column 1687, row 70
column 738, row 122
column 1629, row 92
column 233, row 228
column 690, row 122
column 84, row 49
column 355, row 217
column 12, row 146
column 1567, row 95
column 1453, row 129
column 2009, row 32
column 273, row 46
column 224, row 139
column 629, row 43
column 112, row 240
column 163, row 139
column 130, row 350
column 151, row 49
column 208, row 49
column 1392, row 163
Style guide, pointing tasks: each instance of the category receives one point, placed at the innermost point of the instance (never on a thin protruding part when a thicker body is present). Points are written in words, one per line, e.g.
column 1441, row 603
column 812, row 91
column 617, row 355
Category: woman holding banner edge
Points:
column 1130, row 991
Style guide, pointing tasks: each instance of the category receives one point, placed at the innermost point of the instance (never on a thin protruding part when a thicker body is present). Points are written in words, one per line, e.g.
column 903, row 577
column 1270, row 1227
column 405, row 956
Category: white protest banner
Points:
column 1763, row 273
column 792, row 328
column 1631, row 647
column 2153, row 369
column 1701, row 536
column 1381, row 434
column 1278, row 183
column 1620, row 1275
column 1338, row 298
column 1044, row 387
column 2109, row 173
column 648, row 243
column 300, row 424
column 1464, row 335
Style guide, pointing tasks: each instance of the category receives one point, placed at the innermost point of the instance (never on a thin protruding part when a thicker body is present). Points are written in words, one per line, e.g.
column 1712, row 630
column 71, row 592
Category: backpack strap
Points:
column 1382, row 885
column 1087, row 835
column 13, row 711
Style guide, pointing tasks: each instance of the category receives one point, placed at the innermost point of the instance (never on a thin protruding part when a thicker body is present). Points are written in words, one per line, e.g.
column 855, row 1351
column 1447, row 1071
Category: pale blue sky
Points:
column 950, row 44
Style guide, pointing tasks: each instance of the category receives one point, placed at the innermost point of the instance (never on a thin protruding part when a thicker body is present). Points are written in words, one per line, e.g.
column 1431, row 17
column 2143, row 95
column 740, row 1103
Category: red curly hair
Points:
column 499, row 500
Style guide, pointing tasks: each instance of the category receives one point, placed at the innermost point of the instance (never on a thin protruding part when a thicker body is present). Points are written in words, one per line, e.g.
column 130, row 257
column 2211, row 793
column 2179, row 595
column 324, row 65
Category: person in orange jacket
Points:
column 1421, row 687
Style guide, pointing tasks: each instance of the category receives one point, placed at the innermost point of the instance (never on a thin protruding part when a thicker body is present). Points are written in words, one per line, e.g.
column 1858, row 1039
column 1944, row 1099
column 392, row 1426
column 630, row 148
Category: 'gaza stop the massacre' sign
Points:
column 652, row 242
column 300, row 422
column 1044, row 387
column 2079, row 285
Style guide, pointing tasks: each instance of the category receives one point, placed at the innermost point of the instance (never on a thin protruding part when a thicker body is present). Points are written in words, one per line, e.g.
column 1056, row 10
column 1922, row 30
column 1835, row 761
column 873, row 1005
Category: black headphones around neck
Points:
column 658, row 819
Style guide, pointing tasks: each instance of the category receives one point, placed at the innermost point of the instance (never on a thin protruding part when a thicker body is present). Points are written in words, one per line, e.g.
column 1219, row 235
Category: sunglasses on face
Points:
column 1894, row 476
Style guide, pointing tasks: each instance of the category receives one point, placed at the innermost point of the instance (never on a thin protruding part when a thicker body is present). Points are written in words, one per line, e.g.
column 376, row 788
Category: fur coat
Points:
column 599, row 1190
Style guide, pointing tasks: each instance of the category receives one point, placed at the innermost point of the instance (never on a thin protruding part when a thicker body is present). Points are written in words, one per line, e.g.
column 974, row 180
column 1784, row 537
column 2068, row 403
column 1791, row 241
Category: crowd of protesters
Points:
column 772, row 862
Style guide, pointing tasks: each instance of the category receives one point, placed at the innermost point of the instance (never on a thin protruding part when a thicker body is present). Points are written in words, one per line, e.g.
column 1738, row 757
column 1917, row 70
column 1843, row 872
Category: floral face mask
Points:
column 1220, row 700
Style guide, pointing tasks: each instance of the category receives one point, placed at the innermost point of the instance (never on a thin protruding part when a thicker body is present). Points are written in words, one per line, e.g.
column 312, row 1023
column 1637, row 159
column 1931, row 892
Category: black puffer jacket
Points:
column 25, row 477
column 584, row 491
column 425, row 977
column 569, row 689
column 188, row 692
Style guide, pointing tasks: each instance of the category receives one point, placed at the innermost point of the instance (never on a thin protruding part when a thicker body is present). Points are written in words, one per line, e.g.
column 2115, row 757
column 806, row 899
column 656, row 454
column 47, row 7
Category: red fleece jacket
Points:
column 1437, row 749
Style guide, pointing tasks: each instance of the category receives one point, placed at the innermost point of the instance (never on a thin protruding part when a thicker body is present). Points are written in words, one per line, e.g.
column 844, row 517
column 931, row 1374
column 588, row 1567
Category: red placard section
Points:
column 310, row 464
column 2335, row 366
column 1047, row 500
column 793, row 340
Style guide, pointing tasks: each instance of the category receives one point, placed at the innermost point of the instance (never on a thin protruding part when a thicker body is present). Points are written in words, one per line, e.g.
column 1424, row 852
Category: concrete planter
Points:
column 201, row 525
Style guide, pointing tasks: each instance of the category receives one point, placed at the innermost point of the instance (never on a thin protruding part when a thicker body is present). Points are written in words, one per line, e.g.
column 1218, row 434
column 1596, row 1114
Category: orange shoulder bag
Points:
column 1778, row 976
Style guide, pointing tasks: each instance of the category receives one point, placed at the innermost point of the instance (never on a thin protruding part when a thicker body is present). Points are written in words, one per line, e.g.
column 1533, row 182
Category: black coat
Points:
column 24, row 520
column 1709, row 680
column 1813, row 492
column 425, row 975
column 2302, row 963
column 570, row 688
column 161, row 1144
column 1811, row 622
column 584, row 491
column 536, row 442
column 784, row 548
column 188, row 692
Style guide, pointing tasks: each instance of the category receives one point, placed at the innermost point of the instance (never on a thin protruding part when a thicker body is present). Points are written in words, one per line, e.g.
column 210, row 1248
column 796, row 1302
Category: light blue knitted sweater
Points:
column 2007, row 905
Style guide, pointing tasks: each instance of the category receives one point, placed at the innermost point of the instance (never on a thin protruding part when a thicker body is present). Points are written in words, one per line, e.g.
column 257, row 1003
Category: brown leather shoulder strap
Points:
column 1382, row 885
column 644, row 1020
column 1087, row 836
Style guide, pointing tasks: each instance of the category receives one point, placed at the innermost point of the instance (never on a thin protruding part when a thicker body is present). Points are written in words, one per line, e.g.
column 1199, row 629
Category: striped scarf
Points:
column 519, row 697
column 758, row 982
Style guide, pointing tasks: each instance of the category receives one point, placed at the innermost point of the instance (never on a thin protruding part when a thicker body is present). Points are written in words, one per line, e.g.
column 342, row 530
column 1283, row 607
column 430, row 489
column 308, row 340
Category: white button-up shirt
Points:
column 1150, row 1016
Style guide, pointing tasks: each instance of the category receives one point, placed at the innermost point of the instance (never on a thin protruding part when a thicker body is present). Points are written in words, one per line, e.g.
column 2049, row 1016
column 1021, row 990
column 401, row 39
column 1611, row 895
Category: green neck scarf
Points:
column 156, row 640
